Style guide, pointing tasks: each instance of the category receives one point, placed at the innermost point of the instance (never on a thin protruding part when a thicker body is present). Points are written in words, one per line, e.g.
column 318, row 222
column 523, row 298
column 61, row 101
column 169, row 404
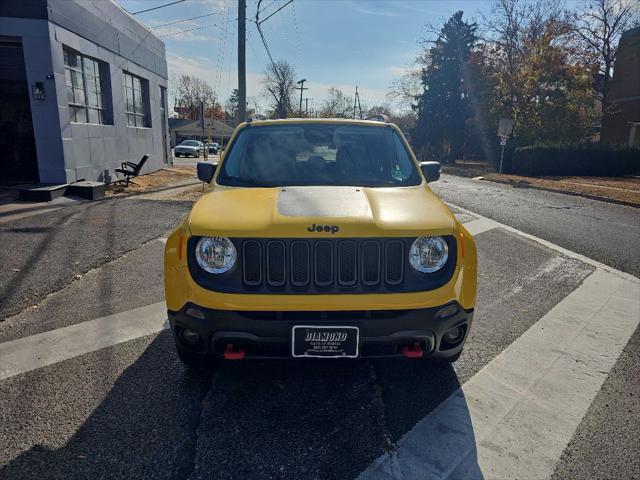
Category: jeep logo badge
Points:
column 323, row 228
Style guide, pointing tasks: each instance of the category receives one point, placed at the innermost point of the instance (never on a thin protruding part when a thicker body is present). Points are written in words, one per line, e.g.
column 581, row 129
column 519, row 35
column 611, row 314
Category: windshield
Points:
column 190, row 143
column 314, row 154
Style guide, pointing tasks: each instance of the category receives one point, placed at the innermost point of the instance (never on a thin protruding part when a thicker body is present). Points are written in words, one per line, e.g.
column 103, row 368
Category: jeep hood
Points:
column 291, row 211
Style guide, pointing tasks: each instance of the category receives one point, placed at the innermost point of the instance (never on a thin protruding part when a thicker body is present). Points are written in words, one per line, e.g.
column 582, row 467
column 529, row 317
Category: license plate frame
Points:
column 327, row 344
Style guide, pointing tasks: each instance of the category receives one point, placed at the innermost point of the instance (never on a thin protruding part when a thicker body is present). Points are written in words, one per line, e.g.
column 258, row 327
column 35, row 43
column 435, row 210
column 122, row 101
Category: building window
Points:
column 136, row 94
column 86, row 88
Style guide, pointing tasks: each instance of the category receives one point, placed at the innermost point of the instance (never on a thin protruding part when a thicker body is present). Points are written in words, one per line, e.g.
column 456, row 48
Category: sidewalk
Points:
column 178, row 183
column 166, row 177
column 620, row 190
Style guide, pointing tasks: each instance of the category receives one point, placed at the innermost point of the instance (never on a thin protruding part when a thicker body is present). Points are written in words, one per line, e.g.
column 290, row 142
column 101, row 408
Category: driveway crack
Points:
column 389, row 446
column 190, row 463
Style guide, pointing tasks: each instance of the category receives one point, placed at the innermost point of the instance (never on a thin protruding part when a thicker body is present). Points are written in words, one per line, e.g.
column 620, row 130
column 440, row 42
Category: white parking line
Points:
column 476, row 227
column 37, row 351
column 515, row 417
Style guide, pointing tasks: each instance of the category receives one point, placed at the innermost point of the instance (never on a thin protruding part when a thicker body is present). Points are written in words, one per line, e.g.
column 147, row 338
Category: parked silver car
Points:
column 214, row 147
column 189, row 148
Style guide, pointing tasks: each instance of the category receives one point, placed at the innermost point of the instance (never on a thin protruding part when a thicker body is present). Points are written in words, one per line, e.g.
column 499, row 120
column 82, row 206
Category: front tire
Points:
column 196, row 155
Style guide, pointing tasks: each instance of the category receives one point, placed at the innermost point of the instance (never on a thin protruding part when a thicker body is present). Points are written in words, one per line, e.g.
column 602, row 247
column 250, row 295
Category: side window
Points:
column 87, row 88
column 136, row 94
column 235, row 158
column 402, row 167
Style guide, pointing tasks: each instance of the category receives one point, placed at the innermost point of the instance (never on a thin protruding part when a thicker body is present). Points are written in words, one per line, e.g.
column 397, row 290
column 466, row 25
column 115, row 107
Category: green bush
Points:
column 576, row 159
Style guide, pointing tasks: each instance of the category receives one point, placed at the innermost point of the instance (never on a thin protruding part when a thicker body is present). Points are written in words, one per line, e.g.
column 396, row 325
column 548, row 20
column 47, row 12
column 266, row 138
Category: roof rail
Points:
column 378, row 117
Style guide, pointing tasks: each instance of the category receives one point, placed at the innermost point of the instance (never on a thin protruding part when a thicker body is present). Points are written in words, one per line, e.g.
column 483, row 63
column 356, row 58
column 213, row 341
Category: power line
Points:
column 189, row 30
column 267, row 7
column 295, row 24
column 259, row 22
column 156, row 8
column 185, row 20
column 222, row 47
column 284, row 29
column 253, row 50
column 264, row 40
column 229, row 67
column 262, row 21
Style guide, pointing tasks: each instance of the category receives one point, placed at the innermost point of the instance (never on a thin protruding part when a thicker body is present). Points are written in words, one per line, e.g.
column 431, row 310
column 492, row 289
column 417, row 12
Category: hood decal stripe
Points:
column 323, row 202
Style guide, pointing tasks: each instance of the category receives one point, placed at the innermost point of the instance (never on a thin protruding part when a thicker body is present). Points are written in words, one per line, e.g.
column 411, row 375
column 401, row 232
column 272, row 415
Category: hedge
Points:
column 576, row 159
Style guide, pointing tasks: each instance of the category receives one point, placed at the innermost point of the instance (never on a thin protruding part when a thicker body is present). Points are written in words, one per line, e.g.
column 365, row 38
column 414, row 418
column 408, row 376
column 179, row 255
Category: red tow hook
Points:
column 415, row 352
column 229, row 354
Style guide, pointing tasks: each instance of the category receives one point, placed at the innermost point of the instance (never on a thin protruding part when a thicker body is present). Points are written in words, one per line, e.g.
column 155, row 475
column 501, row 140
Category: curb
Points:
column 590, row 196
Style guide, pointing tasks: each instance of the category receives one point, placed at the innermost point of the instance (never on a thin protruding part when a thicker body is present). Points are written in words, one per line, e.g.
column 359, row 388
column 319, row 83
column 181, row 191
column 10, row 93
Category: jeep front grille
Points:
column 322, row 265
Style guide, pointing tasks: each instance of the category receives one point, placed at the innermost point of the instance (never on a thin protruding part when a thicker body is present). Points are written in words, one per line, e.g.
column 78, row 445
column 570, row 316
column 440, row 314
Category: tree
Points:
column 232, row 103
column 597, row 26
column 531, row 65
column 406, row 90
column 215, row 111
column 444, row 105
column 337, row 104
column 189, row 92
column 279, row 84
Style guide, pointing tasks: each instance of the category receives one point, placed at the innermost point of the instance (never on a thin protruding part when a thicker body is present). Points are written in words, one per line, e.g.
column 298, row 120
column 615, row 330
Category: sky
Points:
column 331, row 43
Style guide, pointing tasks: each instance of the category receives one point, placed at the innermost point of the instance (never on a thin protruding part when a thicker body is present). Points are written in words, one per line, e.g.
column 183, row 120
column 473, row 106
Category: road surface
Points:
column 603, row 231
column 91, row 386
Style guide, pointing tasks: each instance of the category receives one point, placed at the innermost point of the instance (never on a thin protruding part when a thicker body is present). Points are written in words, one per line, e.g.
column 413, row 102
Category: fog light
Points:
column 190, row 337
column 195, row 313
column 454, row 335
column 448, row 311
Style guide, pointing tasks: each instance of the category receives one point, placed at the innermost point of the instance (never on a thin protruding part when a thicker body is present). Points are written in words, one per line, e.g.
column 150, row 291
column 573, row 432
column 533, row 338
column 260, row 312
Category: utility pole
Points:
column 356, row 103
column 306, row 106
column 206, row 149
column 242, row 67
column 302, row 88
column 355, row 99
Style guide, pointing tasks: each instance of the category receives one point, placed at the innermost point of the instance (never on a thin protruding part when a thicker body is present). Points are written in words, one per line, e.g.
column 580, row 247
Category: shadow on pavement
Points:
column 260, row 419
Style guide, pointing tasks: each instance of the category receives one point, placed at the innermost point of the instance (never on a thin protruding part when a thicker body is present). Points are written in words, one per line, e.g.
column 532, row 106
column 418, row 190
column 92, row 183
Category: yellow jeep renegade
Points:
column 319, row 238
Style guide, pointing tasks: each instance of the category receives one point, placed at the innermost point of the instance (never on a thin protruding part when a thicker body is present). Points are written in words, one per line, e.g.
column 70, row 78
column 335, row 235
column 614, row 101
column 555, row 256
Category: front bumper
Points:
column 267, row 334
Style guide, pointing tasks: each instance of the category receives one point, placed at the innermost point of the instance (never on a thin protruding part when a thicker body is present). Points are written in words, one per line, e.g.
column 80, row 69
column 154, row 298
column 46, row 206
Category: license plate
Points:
column 325, row 342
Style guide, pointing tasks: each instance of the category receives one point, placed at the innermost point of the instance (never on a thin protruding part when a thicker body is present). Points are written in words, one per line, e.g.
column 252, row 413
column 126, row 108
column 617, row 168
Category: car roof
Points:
column 326, row 121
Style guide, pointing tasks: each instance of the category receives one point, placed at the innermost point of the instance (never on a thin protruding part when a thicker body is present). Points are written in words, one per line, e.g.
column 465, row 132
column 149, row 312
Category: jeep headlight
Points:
column 216, row 254
column 428, row 254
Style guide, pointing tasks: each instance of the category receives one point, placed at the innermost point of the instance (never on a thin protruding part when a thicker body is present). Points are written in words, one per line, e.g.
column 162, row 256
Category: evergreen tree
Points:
column 445, row 106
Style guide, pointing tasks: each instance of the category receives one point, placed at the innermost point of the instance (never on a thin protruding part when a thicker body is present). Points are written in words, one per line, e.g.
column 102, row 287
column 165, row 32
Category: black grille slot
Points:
column 347, row 263
column 371, row 263
column 276, row 264
column 323, row 262
column 300, row 267
column 394, row 262
column 252, row 263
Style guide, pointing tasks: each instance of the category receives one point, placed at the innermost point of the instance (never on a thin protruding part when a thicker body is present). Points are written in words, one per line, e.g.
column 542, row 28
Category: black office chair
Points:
column 131, row 170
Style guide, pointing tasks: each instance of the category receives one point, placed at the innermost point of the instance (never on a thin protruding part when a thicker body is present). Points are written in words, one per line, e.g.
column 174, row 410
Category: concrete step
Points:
column 89, row 190
column 46, row 192
column 42, row 192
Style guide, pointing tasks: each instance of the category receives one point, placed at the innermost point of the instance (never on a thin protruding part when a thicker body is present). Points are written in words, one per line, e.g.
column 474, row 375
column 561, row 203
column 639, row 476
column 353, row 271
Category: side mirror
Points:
column 206, row 171
column 430, row 170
